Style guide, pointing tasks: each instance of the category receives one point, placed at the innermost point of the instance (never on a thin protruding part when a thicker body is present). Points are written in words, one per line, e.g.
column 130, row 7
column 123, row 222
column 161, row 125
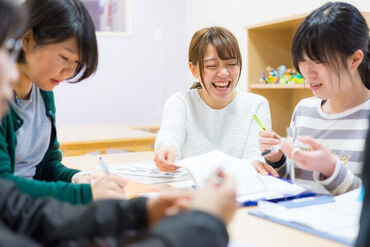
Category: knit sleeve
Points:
column 251, row 150
column 173, row 125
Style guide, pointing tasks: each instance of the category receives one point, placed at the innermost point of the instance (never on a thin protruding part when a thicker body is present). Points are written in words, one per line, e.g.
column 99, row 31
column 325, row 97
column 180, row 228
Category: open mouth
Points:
column 221, row 85
column 315, row 85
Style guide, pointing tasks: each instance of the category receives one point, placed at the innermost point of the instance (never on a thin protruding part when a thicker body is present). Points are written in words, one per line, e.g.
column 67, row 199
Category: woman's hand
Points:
column 87, row 178
column 268, row 139
column 318, row 158
column 165, row 158
column 108, row 187
column 264, row 169
column 167, row 204
column 217, row 197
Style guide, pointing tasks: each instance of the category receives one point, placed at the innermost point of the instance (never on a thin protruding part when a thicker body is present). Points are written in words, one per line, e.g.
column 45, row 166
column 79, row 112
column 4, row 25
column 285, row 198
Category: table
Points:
column 244, row 228
column 82, row 139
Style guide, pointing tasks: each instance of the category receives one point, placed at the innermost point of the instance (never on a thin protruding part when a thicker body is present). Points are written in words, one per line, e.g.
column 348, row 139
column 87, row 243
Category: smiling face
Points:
column 327, row 81
column 48, row 65
column 220, row 77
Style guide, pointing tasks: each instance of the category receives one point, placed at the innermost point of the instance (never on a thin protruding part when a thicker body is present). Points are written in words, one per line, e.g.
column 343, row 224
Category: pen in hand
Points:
column 270, row 150
column 255, row 117
column 103, row 166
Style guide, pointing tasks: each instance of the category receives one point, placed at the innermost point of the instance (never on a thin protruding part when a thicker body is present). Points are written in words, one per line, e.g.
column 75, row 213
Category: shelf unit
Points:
column 269, row 43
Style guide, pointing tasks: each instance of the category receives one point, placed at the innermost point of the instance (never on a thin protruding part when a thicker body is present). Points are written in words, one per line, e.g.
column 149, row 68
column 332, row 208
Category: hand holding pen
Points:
column 269, row 142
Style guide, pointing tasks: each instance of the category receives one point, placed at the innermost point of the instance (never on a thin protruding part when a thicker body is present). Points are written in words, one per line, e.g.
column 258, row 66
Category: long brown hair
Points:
column 224, row 41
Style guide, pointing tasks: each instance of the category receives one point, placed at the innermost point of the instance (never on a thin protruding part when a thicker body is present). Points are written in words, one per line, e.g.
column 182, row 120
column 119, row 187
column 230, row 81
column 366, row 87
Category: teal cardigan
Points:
column 52, row 178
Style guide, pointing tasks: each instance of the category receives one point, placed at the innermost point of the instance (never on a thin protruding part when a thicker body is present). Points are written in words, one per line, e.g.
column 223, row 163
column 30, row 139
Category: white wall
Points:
column 236, row 14
column 136, row 74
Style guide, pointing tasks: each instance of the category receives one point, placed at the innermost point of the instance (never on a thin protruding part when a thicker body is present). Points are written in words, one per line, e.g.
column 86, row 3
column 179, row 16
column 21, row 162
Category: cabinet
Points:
column 269, row 44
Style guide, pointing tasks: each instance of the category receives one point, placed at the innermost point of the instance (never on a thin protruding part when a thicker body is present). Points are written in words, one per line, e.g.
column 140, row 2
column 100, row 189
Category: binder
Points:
column 333, row 218
column 304, row 228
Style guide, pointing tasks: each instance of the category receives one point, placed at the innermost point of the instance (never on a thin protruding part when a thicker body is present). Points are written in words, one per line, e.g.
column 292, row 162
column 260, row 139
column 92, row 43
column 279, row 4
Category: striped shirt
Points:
column 344, row 134
column 192, row 127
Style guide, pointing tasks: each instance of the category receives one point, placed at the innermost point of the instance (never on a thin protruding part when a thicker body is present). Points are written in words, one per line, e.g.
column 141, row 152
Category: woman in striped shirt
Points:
column 331, row 51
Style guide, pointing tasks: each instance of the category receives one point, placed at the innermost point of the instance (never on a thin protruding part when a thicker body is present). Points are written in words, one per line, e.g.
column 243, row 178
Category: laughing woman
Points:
column 213, row 114
column 59, row 44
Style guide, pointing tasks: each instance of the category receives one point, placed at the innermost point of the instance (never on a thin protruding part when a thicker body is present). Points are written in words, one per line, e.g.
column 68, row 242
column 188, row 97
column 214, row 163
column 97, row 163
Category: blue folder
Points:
column 285, row 197
column 303, row 228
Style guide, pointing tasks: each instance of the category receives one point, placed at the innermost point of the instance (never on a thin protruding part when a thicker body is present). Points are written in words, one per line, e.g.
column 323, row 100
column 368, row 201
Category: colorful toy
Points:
column 282, row 75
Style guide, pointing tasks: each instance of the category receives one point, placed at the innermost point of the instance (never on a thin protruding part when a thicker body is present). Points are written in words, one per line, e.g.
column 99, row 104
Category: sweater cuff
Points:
column 278, row 163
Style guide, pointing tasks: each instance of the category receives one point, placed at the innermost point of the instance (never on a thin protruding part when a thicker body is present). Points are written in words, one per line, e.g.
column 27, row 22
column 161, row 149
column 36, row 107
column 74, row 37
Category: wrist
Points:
column 278, row 163
column 77, row 175
column 330, row 168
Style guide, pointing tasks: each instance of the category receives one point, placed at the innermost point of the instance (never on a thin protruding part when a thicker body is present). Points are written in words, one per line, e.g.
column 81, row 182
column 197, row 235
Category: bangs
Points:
column 225, row 48
column 55, row 21
column 314, row 42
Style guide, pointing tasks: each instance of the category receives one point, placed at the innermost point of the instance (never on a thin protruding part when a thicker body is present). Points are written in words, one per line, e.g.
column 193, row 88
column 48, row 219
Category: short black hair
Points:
column 330, row 34
column 54, row 21
column 11, row 20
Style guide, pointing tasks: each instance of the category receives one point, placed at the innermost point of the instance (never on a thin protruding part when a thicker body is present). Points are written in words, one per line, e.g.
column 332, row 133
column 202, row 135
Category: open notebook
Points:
column 250, row 186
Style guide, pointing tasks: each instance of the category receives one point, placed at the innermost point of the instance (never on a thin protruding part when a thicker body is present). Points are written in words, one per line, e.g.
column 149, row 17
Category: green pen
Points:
column 258, row 121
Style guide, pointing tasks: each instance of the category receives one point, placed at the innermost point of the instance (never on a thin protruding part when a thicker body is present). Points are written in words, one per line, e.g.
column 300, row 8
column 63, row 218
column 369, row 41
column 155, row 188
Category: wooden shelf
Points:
column 279, row 86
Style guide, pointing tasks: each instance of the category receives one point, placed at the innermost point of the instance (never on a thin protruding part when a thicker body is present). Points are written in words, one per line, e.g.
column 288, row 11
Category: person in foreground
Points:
column 331, row 50
column 363, row 238
column 59, row 44
column 29, row 222
column 213, row 114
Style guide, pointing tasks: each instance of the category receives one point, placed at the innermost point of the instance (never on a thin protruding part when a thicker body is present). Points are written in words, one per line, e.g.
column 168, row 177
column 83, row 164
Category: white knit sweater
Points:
column 192, row 127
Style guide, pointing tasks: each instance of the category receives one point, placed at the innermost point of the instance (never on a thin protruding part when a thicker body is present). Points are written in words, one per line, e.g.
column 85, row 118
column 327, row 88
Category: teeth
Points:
column 221, row 84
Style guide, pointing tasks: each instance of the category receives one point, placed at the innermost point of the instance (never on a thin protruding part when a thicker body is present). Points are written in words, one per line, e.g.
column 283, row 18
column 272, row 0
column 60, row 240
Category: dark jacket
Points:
column 363, row 239
column 47, row 222
column 52, row 178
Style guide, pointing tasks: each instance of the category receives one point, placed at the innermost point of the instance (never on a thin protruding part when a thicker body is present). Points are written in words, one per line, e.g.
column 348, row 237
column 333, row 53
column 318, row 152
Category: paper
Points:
column 146, row 172
column 340, row 218
column 201, row 167
column 250, row 186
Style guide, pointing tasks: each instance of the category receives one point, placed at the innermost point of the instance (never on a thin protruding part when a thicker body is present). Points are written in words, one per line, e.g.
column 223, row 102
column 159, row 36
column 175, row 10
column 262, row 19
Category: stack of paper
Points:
column 250, row 185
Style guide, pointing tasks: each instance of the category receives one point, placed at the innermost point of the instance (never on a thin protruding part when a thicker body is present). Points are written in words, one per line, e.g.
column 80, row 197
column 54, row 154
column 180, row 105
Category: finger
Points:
column 273, row 153
column 287, row 147
column 163, row 166
column 268, row 134
column 268, row 141
column 183, row 204
column 258, row 165
column 171, row 156
column 228, row 186
column 271, row 170
column 311, row 142
column 121, row 182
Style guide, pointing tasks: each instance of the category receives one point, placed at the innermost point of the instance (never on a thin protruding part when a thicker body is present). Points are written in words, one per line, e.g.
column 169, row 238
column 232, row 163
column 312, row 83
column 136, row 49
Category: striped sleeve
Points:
column 341, row 181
